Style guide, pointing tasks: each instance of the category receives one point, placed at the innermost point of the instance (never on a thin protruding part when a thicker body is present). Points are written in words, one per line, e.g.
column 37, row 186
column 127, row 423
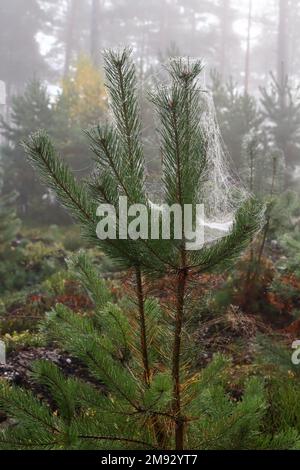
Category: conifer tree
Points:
column 20, row 57
column 9, row 224
column 237, row 114
column 264, row 174
column 29, row 111
column 281, row 110
column 154, row 399
column 9, row 227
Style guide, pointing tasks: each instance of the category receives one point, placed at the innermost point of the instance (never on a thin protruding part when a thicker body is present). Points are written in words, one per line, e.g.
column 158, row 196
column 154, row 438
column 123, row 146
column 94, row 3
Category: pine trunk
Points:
column 248, row 49
column 70, row 35
column 225, row 8
column 179, row 419
column 95, row 32
column 282, row 50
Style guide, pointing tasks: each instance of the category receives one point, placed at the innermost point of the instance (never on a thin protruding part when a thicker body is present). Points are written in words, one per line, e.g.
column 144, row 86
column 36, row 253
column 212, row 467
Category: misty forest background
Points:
column 51, row 77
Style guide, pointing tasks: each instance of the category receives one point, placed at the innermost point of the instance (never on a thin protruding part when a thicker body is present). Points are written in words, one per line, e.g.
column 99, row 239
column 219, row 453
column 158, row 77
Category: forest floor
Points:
column 228, row 314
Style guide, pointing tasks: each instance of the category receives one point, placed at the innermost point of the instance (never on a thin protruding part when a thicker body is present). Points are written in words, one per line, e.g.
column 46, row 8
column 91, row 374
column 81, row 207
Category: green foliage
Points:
column 29, row 111
column 262, row 170
column 33, row 276
column 27, row 262
column 24, row 339
column 282, row 392
column 281, row 110
column 126, row 413
column 120, row 172
column 9, row 223
column 84, row 416
column 229, row 425
column 286, row 212
column 238, row 115
column 87, row 417
column 33, row 109
column 291, row 243
column 284, row 224
column 39, row 423
column 272, row 352
column 284, row 412
column 84, row 271
column 9, row 227
column 56, row 283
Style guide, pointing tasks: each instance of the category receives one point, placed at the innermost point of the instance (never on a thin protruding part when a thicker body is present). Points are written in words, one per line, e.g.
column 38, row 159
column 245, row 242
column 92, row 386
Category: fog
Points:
column 51, row 73
column 44, row 37
column 149, row 226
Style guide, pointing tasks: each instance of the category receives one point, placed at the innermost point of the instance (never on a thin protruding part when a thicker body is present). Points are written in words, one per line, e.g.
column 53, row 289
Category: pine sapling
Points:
column 152, row 391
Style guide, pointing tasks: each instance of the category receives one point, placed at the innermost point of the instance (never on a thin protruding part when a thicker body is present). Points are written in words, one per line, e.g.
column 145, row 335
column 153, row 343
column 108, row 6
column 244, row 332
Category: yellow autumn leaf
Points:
column 84, row 92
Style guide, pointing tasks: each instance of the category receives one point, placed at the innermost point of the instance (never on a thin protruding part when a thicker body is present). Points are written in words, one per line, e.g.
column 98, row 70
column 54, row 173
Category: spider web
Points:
column 221, row 190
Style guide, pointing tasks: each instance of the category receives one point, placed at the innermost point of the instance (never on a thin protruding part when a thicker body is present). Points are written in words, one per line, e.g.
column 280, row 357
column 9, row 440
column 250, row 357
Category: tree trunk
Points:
column 225, row 8
column 248, row 49
column 70, row 34
column 142, row 321
column 95, row 32
column 282, row 48
column 176, row 357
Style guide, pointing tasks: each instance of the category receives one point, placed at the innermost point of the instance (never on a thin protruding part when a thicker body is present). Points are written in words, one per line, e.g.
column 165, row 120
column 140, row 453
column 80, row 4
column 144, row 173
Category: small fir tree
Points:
column 237, row 114
column 9, row 223
column 29, row 111
column 263, row 173
column 9, row 227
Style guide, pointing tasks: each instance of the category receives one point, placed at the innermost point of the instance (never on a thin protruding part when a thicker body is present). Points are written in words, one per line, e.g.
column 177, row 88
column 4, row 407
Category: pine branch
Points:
column 119, row 439
column 63, row 391
column 85, row 272
column 248, row 222
column 183, row 145
column 73, row 195
column 121, row 83
column 28, row 409
column 57, row 176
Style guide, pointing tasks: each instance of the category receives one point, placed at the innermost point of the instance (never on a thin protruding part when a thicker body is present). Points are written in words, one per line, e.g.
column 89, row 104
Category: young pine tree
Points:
column 9, row 223
column 153, row 397
column 281, row 110
column 263, row 173
column 237, row 115
column 9, row 227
